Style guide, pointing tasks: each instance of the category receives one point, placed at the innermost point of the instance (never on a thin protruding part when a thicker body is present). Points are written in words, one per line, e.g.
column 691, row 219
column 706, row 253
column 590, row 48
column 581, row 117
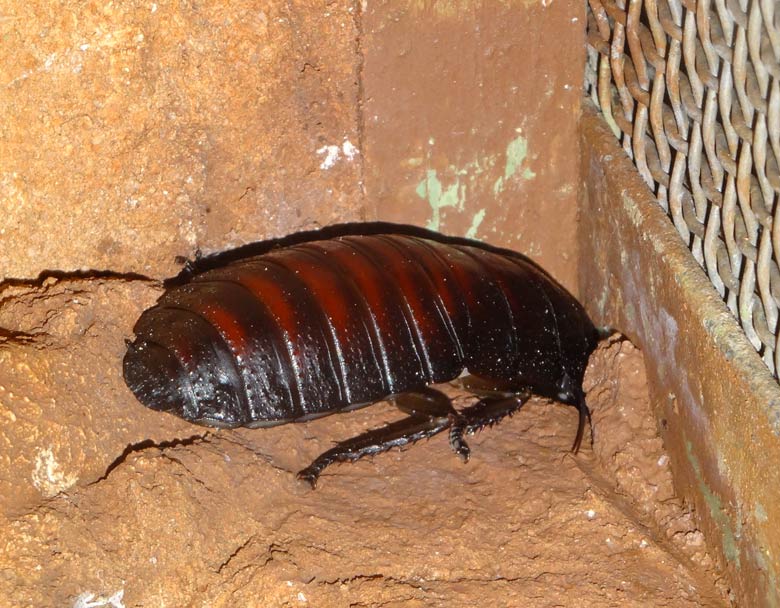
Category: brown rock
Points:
column 222, row 521
column 133, row 133
column 66, row 413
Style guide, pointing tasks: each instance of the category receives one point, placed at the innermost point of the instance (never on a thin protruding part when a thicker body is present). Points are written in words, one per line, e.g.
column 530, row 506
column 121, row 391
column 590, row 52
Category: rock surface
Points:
column 66, row 414
column 136, row 132
column 220, row 520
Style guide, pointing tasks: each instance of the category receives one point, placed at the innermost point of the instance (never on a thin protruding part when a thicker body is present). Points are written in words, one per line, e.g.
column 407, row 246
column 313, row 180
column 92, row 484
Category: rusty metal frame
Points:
column 716, row 403
column 692, row 91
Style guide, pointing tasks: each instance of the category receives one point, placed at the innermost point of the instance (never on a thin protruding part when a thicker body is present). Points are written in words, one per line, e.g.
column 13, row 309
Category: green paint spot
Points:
column 760, row 512
column 438, row 197
column 516, row 153
column 728, row 536
column 471, row 233
column 464, row 179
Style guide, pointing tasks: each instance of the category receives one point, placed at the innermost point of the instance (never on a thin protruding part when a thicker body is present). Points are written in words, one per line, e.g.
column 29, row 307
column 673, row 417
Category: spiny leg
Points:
column 395, row 434
column 486, row 412
column 435, row 405
column 484, row 387
column 430, row 413
column 491, row 410
column 426, row 401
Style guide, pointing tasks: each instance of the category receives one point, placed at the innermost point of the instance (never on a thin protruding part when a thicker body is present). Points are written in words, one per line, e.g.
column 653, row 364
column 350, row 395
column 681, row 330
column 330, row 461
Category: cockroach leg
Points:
column 426, row 401
column 489, row 411
column 396, row 434
column 435, row 404
column 430, row 412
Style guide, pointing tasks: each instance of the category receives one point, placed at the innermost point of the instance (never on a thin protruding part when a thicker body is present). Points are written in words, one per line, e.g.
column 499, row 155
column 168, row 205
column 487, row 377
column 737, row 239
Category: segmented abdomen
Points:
column 313, row 328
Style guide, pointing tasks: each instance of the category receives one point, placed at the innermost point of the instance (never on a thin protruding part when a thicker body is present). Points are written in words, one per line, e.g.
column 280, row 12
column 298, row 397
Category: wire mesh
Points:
column 692, row 91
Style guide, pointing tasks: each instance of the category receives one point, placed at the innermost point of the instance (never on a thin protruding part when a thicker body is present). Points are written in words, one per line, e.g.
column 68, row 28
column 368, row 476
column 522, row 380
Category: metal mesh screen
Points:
column 692, row 91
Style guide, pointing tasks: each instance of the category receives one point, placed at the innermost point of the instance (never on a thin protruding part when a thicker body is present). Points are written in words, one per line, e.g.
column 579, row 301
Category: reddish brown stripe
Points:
column 351, row 271
column 400, row 274
column 272, row 296
column 228, row 326
column 414, row 285
column 386, row 303
column 323, row 284
column 444, row 292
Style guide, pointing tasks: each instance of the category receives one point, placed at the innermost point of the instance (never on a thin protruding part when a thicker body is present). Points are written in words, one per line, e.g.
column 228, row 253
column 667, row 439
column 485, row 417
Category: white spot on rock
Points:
column 49, row 61
column 333, row 153
column 48, row 476
column 349, row 150
column 90, row 600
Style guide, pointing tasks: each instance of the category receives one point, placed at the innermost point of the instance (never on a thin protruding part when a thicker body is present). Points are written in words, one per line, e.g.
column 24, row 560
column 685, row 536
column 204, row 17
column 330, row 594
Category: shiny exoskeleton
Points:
column 331, row 325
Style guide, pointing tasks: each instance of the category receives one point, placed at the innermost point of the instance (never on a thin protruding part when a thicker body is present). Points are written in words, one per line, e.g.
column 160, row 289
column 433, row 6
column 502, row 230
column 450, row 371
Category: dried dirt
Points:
column 142, row 131
column 219, row 520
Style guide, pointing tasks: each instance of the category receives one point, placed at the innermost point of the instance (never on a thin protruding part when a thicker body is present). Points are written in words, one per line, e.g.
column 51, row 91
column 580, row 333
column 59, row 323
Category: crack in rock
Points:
column 149, row 444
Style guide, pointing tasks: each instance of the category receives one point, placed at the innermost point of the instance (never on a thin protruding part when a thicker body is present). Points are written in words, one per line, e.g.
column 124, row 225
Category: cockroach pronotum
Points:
column 332, row 325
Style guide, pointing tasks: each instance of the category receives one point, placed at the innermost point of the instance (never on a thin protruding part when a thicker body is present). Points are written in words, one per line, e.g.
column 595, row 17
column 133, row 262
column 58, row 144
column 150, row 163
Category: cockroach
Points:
column 336, row 324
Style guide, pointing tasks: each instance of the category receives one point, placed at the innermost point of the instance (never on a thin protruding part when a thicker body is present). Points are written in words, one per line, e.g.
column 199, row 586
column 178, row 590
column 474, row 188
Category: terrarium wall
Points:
column 690, row 92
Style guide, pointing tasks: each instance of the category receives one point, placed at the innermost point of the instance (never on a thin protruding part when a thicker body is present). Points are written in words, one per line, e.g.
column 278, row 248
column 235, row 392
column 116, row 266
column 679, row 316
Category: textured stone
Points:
column 221, row 521
column 66, row 413
column 134, row 132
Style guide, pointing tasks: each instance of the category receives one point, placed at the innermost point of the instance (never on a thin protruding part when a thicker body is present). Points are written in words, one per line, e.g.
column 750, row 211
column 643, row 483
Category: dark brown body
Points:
column 322, row 326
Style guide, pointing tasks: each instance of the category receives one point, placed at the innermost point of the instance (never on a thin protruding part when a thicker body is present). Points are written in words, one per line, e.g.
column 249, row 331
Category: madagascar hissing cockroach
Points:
column 332, row 325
